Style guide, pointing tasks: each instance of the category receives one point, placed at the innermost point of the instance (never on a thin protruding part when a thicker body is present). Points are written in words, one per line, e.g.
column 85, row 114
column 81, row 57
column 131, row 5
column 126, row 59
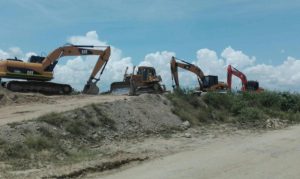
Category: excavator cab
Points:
column 39, row 59
column 252, row 86
column 210, row 81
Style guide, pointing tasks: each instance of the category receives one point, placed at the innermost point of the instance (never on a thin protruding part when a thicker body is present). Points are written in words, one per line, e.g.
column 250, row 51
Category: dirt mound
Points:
column 61, row 136
column 11, row 98
column 146, row 113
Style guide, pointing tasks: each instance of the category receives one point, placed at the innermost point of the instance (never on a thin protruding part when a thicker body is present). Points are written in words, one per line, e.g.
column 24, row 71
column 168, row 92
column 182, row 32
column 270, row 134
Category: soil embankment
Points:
column 80, row 136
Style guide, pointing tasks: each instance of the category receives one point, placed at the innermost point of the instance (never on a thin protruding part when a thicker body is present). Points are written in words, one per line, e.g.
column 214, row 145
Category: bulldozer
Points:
column 207, row 83
column 144, row 80
column 35, row 74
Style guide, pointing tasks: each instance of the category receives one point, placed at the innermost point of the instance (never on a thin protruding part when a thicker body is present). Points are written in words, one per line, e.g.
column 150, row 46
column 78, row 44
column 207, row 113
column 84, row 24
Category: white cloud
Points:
column 15, row 52
column 161, row 62
column 210, row 63
column 285, row 76
column 11, row 53
column 237, row 58
column 76, row 70
column 29, row 54
column 281, row 77
column 4, row 55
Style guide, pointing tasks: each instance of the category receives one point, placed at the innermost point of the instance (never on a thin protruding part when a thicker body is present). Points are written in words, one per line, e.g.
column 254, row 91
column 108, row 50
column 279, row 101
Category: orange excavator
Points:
column 38, row 71
column 206, row 83
column 246, row 85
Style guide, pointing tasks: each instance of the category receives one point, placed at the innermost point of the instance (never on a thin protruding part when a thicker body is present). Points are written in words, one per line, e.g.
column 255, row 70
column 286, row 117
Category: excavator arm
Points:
column 233, row 71
column 82, row 50
column 73, row 50
column 186, row 66
column 90, row 87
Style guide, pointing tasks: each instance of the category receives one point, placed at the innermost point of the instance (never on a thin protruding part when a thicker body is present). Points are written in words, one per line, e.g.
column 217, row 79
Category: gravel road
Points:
column 274, row 154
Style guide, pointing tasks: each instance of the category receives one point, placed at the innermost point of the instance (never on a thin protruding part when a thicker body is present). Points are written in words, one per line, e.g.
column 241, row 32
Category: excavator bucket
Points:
column 91, row 88
column 120, row 88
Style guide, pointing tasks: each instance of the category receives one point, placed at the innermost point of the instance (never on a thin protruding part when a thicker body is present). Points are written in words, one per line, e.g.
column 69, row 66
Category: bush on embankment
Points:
column 244, row 109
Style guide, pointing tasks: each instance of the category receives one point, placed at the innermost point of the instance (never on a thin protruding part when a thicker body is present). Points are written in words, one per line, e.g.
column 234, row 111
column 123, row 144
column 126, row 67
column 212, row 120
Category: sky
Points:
column 258, row 37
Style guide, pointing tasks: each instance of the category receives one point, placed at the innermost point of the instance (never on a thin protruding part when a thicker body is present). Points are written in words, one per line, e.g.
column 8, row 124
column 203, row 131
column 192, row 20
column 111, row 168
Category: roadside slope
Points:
column 270, row 155
column 41, row 105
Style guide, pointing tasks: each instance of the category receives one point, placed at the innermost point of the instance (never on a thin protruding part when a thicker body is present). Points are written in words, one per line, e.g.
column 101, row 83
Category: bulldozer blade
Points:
column 120, row 88
column 91, row 88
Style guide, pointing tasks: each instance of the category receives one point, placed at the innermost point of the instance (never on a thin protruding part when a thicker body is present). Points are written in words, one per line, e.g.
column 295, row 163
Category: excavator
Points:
column 38, row 71
column 206, row 83
column 250, row 86
column 144, row 80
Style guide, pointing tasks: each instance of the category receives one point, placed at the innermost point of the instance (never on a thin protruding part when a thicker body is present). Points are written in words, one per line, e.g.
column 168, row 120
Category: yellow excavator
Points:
column 38, row 71
column 206, row 83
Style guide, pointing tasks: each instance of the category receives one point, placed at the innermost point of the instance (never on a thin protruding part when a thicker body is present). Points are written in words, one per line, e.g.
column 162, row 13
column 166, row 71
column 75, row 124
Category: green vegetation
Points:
column 244, row 109
column 186, row 106
column 58, row 138
column 2, row 142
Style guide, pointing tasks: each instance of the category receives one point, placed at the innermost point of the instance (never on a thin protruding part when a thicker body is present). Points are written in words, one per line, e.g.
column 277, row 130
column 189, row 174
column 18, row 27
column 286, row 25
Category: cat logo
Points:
column 187, row 67
column 29, row 72
column 83, row 51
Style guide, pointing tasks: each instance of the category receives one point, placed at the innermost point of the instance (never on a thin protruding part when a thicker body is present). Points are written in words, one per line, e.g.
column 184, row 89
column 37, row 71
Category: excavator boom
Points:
column 233, row 71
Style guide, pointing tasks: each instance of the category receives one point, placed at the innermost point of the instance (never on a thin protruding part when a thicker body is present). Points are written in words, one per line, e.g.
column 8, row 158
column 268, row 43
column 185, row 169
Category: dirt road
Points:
column 15, row 113
column 274, row 154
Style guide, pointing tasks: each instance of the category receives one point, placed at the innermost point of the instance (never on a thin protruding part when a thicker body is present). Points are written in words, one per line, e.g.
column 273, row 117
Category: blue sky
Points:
column 259, row 27
column 260, row 36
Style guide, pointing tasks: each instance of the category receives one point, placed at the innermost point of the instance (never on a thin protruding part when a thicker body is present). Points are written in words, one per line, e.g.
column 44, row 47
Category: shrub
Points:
column 237, row 106
column 77, row 127
column 45, row 132
column 2, row 141
column 251, row 116
column 287, row 102
column 294, row 117
column 38, row 143
column 55, row 119
column 16, row 150
column 218, row 100
column 245, row 108
column 269, row 99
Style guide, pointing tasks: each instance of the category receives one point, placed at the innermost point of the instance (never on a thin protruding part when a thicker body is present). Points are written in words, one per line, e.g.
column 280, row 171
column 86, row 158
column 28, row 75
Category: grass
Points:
column 186, row 106
column 2, row 142
column 15, row 151
column 59, row 138
column 55, row 119
column 39, row 142
column 244, row 109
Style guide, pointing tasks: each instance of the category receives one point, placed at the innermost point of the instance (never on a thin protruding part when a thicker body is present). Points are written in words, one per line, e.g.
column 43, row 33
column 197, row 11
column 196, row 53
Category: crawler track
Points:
column 47, row 88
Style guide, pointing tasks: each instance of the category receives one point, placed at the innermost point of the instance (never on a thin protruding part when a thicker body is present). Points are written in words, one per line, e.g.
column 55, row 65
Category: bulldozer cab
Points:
column 147, row 73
